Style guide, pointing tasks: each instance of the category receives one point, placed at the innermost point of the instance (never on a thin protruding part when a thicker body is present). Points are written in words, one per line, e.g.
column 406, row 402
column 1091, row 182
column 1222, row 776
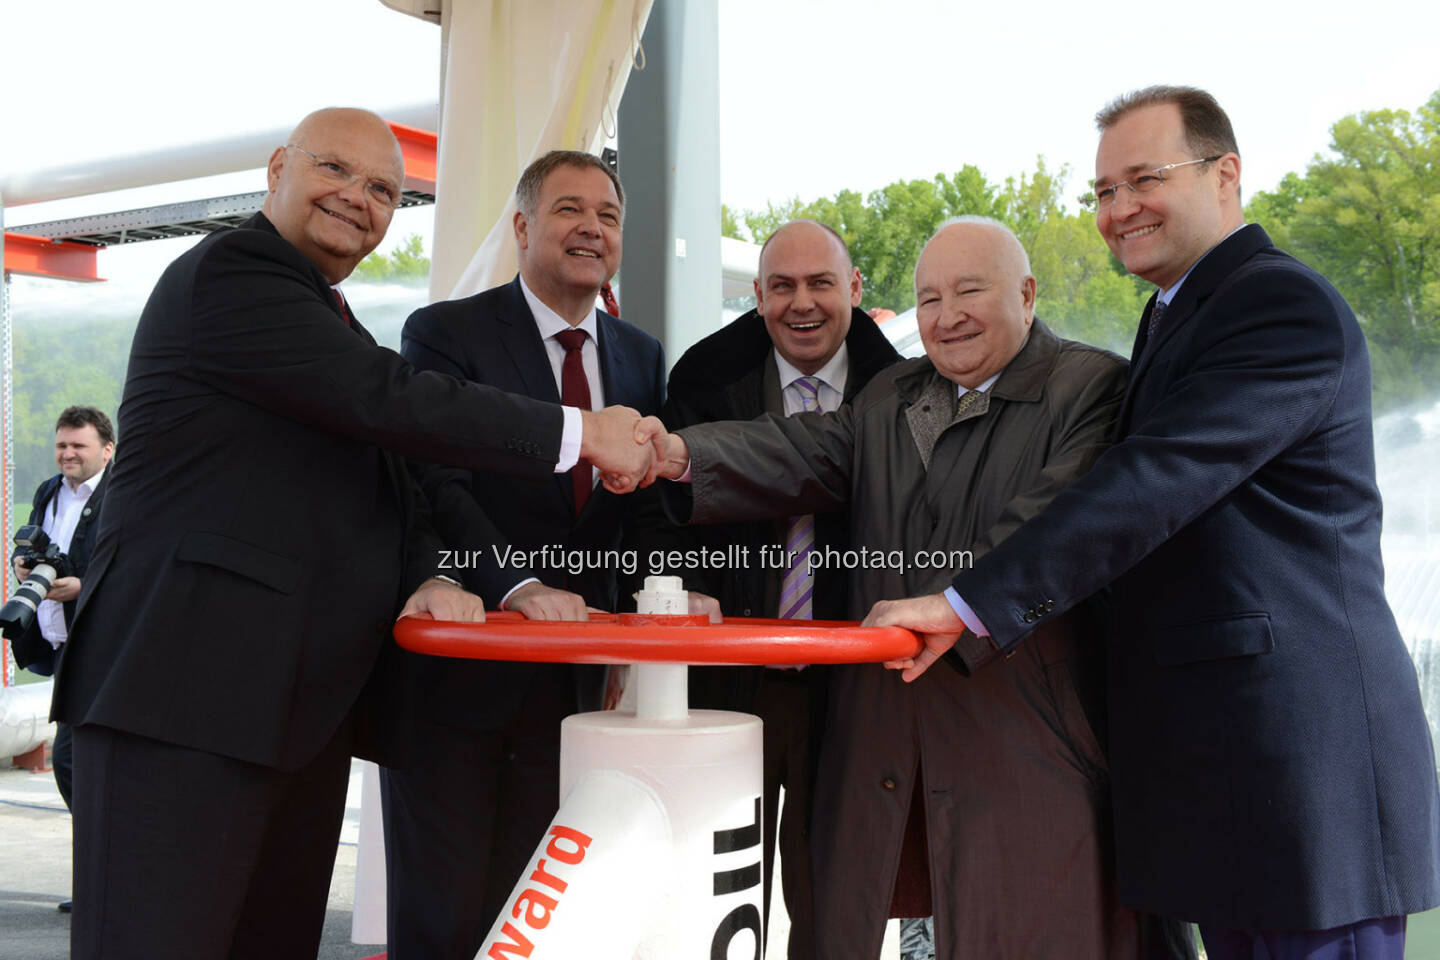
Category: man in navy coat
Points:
column 1274, row 779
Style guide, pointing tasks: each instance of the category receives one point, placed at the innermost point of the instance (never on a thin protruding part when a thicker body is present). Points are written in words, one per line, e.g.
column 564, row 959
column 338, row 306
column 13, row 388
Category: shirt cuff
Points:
column 509, row 593
column 569, row 439
column 966, row 615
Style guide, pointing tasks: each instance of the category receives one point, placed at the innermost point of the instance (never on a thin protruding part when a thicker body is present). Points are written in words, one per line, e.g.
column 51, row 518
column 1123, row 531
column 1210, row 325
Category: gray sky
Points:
column 816, row 95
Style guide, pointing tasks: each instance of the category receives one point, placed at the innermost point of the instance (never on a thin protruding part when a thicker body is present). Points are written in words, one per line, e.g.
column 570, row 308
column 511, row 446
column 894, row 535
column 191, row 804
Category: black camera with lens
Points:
column 47, row 564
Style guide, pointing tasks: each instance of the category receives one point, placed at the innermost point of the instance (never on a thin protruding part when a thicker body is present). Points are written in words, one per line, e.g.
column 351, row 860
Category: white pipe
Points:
column 707, row 772
column 103, row 174
column 662, row 689
column 25, row 718
column 367, row 917
column 596, row 877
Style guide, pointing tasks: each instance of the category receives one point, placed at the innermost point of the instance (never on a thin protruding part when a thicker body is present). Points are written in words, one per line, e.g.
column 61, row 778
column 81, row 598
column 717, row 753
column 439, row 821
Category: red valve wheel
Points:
column 650, row 638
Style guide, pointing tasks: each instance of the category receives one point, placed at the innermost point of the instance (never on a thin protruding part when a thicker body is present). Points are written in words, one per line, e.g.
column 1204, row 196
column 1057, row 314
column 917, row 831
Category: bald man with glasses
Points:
column 260, row 536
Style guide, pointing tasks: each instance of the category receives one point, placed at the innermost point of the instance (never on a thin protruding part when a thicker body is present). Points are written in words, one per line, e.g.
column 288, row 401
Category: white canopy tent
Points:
column 520, row 79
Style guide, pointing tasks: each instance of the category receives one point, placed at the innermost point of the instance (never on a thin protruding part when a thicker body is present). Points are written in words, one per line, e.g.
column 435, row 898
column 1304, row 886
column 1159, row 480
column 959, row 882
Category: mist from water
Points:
column 1407, row 467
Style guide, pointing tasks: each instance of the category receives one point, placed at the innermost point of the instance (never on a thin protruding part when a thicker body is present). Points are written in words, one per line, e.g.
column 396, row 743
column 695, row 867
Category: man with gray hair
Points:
column 983, row 802
column 482, row 778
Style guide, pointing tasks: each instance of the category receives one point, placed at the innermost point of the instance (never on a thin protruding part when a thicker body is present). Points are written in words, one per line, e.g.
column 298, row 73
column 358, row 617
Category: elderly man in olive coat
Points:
column 983, row 800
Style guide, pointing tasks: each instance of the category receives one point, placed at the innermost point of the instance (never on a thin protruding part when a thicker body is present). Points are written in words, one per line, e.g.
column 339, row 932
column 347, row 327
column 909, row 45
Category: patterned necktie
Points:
column 575, row 392
column 797, row 589
column 969, row 400
column 1155, row 316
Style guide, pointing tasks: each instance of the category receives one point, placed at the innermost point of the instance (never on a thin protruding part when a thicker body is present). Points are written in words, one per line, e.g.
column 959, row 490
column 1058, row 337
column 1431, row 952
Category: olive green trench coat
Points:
column 1012, row 774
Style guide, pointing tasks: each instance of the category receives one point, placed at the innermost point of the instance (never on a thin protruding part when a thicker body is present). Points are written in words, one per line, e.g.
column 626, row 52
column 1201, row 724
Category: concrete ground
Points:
column 35, row 876
column 35, row 872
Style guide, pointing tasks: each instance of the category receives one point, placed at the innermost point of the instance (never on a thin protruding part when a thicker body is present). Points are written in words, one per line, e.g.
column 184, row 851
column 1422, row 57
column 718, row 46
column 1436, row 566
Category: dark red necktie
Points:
column 344, row 314
column 575, row 392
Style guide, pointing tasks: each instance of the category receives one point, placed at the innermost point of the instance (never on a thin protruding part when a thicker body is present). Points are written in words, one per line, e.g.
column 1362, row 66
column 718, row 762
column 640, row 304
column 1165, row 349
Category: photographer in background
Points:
column 67, row 508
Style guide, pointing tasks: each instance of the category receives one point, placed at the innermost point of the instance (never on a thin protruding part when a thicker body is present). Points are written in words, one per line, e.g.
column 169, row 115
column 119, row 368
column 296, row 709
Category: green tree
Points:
column 1084, row 292
column 1368, row 217
column 886, row 229
column 730, row 224
column 407, row 264
column 56, row 366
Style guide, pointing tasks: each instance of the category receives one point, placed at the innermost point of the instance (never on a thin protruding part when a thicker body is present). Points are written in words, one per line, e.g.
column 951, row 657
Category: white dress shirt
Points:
column 62, row 516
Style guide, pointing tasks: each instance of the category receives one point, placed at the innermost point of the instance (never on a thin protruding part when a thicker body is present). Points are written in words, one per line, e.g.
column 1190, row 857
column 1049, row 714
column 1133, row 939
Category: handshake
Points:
column 629, row 450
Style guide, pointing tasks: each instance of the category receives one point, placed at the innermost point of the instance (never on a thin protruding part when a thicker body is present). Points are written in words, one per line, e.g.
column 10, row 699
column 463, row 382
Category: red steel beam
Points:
column 57, row 259
column 419, row 148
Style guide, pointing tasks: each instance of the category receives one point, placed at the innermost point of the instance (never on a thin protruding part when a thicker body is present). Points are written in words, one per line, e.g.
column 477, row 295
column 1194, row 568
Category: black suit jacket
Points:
column 724, row 377
column 492, row 338
column 32, row 651
column 1271, row 763
column 260, row 534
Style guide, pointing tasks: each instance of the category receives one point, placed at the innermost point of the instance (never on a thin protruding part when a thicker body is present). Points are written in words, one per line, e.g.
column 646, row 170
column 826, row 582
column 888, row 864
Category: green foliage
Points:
column 1083, row 292
column 886, row 229
column 407, row 264
column 1368, row 217
column 57, row 366
column 729, row 225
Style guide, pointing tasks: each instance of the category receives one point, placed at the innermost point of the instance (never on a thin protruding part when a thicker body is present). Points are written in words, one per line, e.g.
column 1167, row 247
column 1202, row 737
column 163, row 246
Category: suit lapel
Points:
column 1138, row 358
column 772, row 391
column 746, row 397
column 614, row 367
column 1212, row 270
column 361, row 332
column 519, row 337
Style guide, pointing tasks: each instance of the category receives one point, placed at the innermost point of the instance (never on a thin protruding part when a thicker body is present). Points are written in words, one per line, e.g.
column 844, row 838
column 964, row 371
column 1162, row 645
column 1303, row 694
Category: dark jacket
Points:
column 261, row 531
column 32, row 651
column 723, row 377
column 1271, row 762
column 491, row 338
column 731, row 375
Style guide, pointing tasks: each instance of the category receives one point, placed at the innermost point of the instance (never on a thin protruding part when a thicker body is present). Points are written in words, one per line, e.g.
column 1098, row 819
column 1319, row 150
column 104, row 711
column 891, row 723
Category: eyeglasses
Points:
column 1143, row 183
column 337, row 173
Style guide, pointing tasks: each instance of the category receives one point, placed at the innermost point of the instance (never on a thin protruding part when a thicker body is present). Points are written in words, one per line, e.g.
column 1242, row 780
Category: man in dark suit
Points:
column 66, row 507
column 481, row 782
column 807, row 323
column 259, row 537
column 1273, row 774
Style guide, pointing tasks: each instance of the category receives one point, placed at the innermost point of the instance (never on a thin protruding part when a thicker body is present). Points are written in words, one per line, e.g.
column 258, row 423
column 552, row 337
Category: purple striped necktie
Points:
column 797, row 588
